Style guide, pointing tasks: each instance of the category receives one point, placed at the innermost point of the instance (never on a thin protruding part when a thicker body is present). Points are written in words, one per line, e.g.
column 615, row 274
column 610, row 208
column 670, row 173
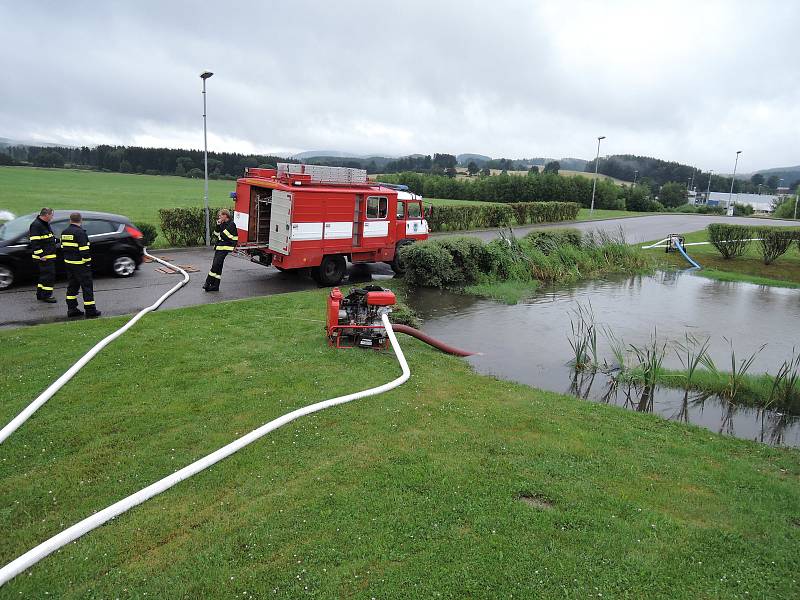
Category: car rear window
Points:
column 98, row 226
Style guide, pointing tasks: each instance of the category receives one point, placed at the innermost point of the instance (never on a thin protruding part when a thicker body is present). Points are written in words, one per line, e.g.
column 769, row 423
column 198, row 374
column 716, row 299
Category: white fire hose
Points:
column 61, row 381
column 33, row 556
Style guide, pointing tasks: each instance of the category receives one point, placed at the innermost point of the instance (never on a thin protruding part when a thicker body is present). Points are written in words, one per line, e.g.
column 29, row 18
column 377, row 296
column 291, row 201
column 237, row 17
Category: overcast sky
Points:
column 686, row 81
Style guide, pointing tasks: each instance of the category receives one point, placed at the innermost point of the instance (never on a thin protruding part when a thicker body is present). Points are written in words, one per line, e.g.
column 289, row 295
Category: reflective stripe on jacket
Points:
column 43, row 242
column 75, row 245
column 226, row 236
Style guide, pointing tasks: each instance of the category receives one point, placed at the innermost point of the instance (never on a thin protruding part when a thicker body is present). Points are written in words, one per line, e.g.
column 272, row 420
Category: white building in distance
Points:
column 759, row 202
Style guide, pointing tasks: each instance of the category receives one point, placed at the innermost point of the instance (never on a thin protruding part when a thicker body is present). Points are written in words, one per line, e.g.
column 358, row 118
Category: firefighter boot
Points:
column 74, row 312
column 92, row 312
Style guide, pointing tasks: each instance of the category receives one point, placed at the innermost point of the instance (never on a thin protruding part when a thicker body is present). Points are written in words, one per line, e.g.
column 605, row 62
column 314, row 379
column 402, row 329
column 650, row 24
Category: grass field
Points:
column 25, row 190
column 414, row 493
column 784, row 272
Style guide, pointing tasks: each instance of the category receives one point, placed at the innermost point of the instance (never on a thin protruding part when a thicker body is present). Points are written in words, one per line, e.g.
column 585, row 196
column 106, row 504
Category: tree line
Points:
column 535, row 187
column 136, row 159
column 654, row 172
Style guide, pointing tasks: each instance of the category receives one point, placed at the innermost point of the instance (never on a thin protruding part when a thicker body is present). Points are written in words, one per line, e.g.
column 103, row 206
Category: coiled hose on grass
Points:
column 33, row 556
column 94, row 351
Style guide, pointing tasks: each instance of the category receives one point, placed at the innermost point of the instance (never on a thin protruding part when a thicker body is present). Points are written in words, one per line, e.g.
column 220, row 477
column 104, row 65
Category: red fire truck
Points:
column 310, row 216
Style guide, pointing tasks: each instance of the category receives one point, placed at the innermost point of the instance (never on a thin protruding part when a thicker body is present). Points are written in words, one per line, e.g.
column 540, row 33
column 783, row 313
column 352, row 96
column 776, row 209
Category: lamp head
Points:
column 205, row 74
column 602, row 137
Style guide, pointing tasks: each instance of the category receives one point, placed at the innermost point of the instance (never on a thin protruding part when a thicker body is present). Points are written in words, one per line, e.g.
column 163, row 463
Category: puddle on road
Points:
column 528, row 342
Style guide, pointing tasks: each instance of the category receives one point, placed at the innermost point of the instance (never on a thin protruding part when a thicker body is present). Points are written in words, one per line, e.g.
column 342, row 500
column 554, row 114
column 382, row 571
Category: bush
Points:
column 704, row 209
column 549, row 240
column 149, row 231
column 470, row 259
column 482, row 216
column 428, row 264
column 507, row 261
column 546, row 256
column 775, row 241
column 785, row 210
column 742, row 210
column 736, row 236
column 185, row 226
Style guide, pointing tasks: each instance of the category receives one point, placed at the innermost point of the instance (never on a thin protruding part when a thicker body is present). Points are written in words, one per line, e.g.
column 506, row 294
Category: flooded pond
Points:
column 528, row 342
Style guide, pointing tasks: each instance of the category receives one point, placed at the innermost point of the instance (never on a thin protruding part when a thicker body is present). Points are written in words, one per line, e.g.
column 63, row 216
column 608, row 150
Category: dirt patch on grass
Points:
column 536, row 501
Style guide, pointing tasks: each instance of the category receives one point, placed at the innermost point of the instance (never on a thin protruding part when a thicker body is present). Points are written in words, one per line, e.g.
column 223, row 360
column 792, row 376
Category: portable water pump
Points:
column 355, row 319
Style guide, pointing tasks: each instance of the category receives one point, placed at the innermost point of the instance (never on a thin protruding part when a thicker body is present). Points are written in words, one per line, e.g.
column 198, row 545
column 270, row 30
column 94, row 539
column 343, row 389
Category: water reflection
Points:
column 528, row 342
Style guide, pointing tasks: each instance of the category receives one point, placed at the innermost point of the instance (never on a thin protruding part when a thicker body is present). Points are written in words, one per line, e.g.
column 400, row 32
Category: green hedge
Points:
column 186, row 226
column 483, row 216
column 546, row 187
column 149, row 233
column 730, row 240
column 774, row 241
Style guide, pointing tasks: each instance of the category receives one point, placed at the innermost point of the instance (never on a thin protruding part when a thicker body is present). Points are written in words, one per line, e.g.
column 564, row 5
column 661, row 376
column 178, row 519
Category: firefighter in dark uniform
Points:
column 43, row 244
column 225, row 238
column 78, row 262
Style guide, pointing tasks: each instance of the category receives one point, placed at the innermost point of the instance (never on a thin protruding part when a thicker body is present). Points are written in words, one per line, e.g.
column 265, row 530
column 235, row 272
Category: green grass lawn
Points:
column 25, row 190
column 784, row 272
column 410, row 494
column 599, row 213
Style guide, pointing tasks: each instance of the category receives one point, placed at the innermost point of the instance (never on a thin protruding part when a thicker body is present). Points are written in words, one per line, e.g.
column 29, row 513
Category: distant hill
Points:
column 573, row 164
column 790, row 175
column 5, row 142
column 463, row 159
column 335, row 154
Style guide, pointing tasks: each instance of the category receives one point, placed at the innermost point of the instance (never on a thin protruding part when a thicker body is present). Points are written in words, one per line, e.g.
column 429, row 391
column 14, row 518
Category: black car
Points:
column 116, row 245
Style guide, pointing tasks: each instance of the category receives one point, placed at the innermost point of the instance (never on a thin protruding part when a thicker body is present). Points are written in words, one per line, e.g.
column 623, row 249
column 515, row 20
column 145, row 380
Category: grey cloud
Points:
column 503, row 78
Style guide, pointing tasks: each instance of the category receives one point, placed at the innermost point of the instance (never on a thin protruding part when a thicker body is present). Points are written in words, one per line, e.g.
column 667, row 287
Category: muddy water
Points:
column 528, row 342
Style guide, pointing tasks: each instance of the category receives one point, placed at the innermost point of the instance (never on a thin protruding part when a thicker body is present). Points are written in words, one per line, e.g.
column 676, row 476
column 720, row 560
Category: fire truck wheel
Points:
column 330, row 271
column 397, row 265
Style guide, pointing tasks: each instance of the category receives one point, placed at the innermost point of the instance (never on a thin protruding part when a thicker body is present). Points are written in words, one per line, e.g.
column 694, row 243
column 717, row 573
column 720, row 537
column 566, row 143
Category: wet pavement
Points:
column 243, row 279
column 240, row 279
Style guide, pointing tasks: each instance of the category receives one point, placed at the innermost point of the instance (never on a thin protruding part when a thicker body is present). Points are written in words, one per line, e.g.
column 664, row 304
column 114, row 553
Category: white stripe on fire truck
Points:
column 339, row 230
column 376, row 228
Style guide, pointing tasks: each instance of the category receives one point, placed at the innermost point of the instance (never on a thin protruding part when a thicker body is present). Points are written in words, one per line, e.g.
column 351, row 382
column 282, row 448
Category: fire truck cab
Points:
column 310, row 216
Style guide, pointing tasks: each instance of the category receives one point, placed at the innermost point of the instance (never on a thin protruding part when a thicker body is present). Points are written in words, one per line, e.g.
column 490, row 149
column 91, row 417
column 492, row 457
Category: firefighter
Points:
column 78, row 261
column 43, row 244
column 226, row 236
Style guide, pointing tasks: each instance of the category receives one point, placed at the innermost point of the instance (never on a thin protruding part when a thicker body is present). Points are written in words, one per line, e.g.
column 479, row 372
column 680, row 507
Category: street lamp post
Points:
column 596, row 164
column 205, row 75
column 733, row 180
column 708, row 189
column 635, row 174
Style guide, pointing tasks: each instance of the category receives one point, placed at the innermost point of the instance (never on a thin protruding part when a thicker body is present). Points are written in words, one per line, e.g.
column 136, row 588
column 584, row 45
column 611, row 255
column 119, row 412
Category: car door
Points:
column 102, row 236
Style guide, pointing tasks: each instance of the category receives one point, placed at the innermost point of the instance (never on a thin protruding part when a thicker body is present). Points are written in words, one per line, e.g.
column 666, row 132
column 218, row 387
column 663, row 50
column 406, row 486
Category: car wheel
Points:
column 123, row 266
column 330, row 271
column 6, row 277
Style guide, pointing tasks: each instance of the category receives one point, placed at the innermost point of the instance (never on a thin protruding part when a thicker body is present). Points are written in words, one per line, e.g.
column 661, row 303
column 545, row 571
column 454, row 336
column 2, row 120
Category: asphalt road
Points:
column 243, row 279
column 643, row 229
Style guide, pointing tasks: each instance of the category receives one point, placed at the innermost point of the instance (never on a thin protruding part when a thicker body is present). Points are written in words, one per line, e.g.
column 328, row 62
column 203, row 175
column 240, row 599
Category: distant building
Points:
column 760, row 202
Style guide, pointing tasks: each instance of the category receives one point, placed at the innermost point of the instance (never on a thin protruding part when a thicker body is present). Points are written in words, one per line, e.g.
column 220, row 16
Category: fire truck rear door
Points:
column 280, row 222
